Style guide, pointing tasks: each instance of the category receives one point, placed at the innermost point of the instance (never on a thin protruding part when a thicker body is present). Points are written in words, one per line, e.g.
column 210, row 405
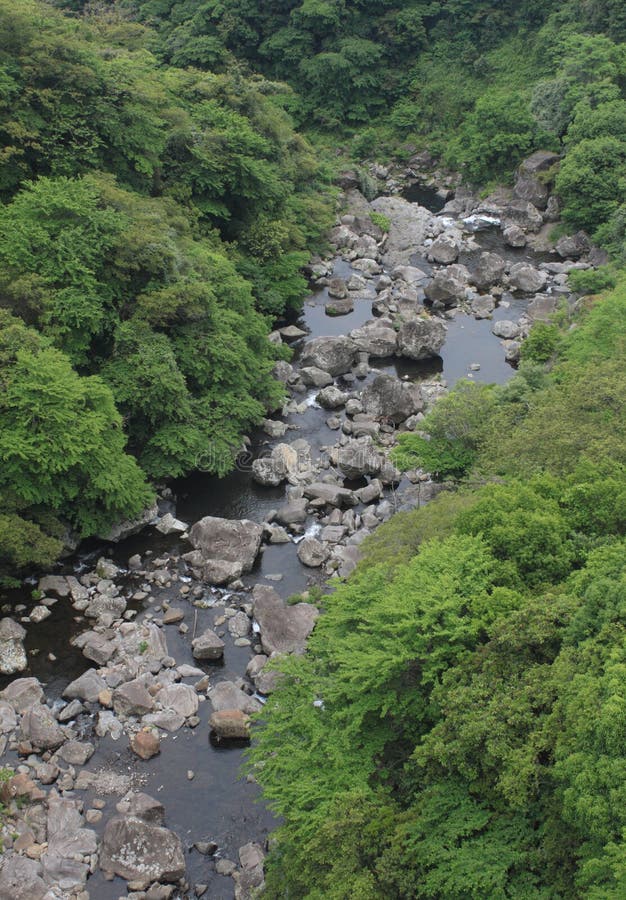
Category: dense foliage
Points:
column 456, row 729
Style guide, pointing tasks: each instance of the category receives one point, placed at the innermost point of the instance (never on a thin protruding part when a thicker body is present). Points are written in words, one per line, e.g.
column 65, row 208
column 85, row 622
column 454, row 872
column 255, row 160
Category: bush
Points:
column 591, row 281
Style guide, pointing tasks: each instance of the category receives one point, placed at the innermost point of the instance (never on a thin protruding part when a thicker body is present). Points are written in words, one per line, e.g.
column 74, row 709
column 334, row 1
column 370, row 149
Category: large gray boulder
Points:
column 231, row 540
column 377, row 338
column 407, row 231
column 522, row 213
column 358, row 458
column 139, row 851
column 39, row 726
column 489, row 270
column 12, row 652
column 312, row 553
column 20, row 878
column 207, row 646
column 314, row 377
column 226, row 695
column 292, row 513
column 330, row 494
column 389, row 398
column 132, row 699
column 272, row 470
column 573, row 246
column 444, row 250
column 421, row 338
column 448, row 286
column 524, row 277
column 529, row 185
column 23, row 693
column 284, row 629
column 334, row 355
column 86, row 687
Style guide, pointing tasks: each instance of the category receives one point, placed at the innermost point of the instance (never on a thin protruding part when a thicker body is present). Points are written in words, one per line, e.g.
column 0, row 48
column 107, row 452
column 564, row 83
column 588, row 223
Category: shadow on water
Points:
column 425, row 196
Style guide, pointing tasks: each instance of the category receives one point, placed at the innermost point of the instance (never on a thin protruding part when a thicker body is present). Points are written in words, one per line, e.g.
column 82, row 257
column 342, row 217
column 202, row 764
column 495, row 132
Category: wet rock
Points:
column 239, row 624
column 448, row 285
column 39, row 726
column 358, row 458
column 376, row 338
column 331, row 494
column 524, row 214
column 86, row 687
column 512, row 350
column 389, row 398
column 334, row 355
column 12, row 652
column 76, row 753
column 132, row 699
column 169, row 524
column 312, row 553
column 505, row 329
column 23, row 693
column 226, row 695
column 331, row 398
column 314, row 377
column 231, row 540
column 137, row 850
column 277, row 534
column 129, row 527
column 54, row 584
column 489, row 270
column 337, row 288
column 145, row 744
column 339, row 307
column 180, row 697
column 274, row 427
column 230, row 724
column 207, row 646
column 284, row 629
column 421, row 338
column 483, row 307
column 444, row 250
column 526, row 278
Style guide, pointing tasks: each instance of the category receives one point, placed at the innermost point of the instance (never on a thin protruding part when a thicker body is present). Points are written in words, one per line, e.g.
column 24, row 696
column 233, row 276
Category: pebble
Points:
column 92, row 816
column 190, row 773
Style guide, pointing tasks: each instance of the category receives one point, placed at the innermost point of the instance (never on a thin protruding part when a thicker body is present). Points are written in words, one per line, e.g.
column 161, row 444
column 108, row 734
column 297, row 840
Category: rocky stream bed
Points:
column 130, row 673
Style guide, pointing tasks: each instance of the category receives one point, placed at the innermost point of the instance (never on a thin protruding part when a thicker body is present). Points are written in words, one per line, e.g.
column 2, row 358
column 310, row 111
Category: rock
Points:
column 54, row 584
column 512, row 350
column 76, row 753
column 145, row 744
column 376, row 338
column 421, row 338
column 332, row 534
column 12, row 652
column 74, row 708
column 315, row 377
column 331, row 398
column 524, row 277
column 180, row 697
column 139, row 851
column 106, row 608
column 331, row 494
column 292, row 332
column 129, row 527
column 292, row 513
column 339, row 307
column 207, row 646
column 573, row 246
column 337, row 288
column 514, row 236
column 505, row 329
column 542, row 307
column 312, row 553
column 230, row 724
column 272, row 470
column 529, row 186
column 219, row 571
column 389, row 398
column 368, row 265
column 226, row 695
column 284, row 629
column 132, row 699
column 444, row 250
column 358, row 458
column 483, row 307
column 552, row 211
column 411, row 275
column 232, row 540
column 489, row 270
column 23, row 693
column 448, row 285
column 173, row 615
column 86, row 687
column 251, row 856
column 39, row 726
column 142, row 806
column 8, row 718
column 98, row 649
column 524, row 214
column 171, row 525
column 274, row 427
column 407, row 230
column 20, row 878
column 370, row 492
column 334, row 355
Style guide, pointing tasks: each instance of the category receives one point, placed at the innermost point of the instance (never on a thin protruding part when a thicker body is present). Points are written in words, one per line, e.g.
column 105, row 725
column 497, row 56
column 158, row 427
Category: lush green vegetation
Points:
column 456, row 729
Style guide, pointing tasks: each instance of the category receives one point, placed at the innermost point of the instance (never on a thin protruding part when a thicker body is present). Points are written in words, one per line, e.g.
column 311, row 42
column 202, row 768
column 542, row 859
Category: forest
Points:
column 457, row 726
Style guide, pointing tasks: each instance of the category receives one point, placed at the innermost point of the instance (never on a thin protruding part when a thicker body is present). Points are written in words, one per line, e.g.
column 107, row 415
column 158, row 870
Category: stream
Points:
column 219, row 803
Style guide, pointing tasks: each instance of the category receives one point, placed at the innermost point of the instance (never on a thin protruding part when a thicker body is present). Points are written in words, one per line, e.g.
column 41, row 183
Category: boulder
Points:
column 226, row 695
column 524, row 277
column 421, row 338
column 358, row 458
column 139, row 851
column 54, row 584
column 39, row 726
column 169, row 524
column 272, row 470
column 312, row 553
column 132, row 699
column 76, row 753
column 514, row 236
column 274, row 427
column 284, row 629
column 444, row 250
column 407, row 231
column 230, row 724
column 522, row 213
column 145, row 744
column 131, row 526
column 20, row 878
column 529, row 185
column 573, row 246
column 389, row 398
column 489, row 270
column 336, row 307
column 207, row 646
column 411, row 275
column 334, row 355
column 331, row 398
column 292, row 513
column 86, row 687
column 483, row 307
column 337, row 288
column 180, row 697
column 143, row 806
column 331, row 494
column 376, row 338
column 505, row 329
column 219, row 571
column 314, row 377
column 448, row 286
column 12, row 653
column 232, row 540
